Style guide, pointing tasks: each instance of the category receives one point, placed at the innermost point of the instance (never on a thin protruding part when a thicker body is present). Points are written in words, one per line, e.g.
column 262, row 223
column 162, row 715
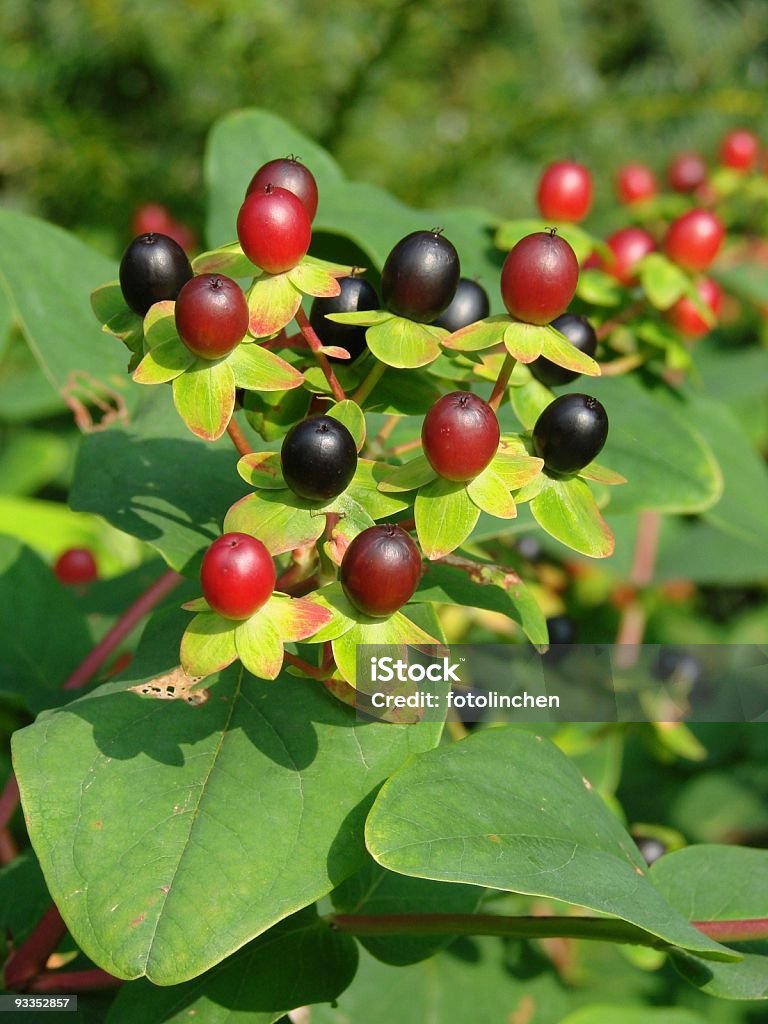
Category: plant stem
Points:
column 29, row 959
column 367, row 385
column 317, row 350
column 238, row 438
column 124, row 625
column 633, row 619
column 73, row 981
column 747, row 930
column 311, row 670
column 501, row 382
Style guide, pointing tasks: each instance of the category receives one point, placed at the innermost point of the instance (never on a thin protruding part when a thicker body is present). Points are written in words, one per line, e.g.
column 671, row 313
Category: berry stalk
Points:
column 322, row 360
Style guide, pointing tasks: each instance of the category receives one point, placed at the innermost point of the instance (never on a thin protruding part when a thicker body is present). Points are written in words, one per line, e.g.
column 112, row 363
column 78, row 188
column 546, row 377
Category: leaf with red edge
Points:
column 164, row 363
column 273, row 302
column 295, row 618
column 160, row 324
column 227, row 259
column 208, row 644
column 525, row 342
column 204, row 396
column 273, row 517
column 314, row 280
column 566, row 509
column 602, row 475
column 478, row 336
column 257, row 369
column 262, row 469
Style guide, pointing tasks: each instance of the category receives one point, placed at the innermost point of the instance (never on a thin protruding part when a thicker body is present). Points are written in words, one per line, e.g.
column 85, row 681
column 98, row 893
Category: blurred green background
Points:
column 106, row 103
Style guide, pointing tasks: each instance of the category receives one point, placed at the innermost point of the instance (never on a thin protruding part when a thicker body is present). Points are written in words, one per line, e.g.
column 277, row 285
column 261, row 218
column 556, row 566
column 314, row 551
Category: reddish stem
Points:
column 633, row 619
column 9, row 851
column 747, row 930
column 75, row 982
column 9, row 800
column 501, row 382
column 311, row 670
column 317, row 350
column 238, row 438
column 409, row 446
column 124, row 625
column 29, row 959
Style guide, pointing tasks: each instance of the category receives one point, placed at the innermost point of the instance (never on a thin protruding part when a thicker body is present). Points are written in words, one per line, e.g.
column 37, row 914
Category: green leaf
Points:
column 662, row 280
column 397, row 629
column 107, row 302
column 262, row 469
column 276, row 520
column 482, row 585
column 332, row 599
column 362, row 318
column 558, row 349
column 490, row 493
column 238, row 811
column 478, row 336
column 566, row 509
column 507, row 809
column 160, row 324
column 530, row 401
column 253, row 984
column 374, row 891
column 351, row 415
column 403, row 343
column 616, row 1013
column 208, row 644
column 602, row 475
column 44, row 636
column 408, row 477
column 227, row 259
column 259, row 645
column 445, row 517
column 403, row 393
column 313, row 279
column 719, row 883
column 164, row 363
column 257, row 369
column 204, row 396
column 598, row 288
column 515, row 468
column 296, row 619
column 364, row 489
column 526, row 342
column 273, row 302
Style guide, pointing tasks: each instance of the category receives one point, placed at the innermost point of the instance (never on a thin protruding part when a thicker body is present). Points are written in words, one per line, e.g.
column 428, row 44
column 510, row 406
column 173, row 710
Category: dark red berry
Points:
column 565, row 191
column 460, row 435
column 539, row 277
column 693, row 240
column 290, row 174
column 686, row 172
column 686, row 318
column 628, row 246
column 237, row 575
column 740, row 150
column 580, row 332
column 153, row 268
column 635, row 183
column 469, row 304
column 76, row 565
column 356, row 295
column 420, row 276
column 274, row 229
column 211, row 315
column 319, row 458
column 380, row 570
column 570, row 433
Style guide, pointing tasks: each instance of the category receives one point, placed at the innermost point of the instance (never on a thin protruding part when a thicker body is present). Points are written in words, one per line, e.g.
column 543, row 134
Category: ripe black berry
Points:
column 469, row 304
column 319, row 458
column 380, row 570
column 570, row 433
column 420, row 276
column 579, row 331
column 153, row 268
column 460, row 435
column 356, row 295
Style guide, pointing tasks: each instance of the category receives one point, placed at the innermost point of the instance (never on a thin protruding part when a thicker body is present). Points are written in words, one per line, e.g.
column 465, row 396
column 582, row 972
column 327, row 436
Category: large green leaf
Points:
column 720, row 883
column 170, row 835
column 254, row 984
column 611, row 1013
column 157, row 481
column 508, row 810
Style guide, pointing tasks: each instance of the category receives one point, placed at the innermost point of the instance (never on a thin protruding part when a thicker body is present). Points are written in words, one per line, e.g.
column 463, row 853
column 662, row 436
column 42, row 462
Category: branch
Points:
column 632, row 624
column 369, row 382
column 317, row 350
column 501, row 382
column 238, row 438
column 65, row 982
column 29, row 959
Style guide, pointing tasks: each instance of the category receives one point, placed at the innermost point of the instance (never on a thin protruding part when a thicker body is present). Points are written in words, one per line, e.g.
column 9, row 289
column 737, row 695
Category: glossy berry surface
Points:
column 740, row 150
column 153, row 268
column 635, row 183
column 237, row 575
column 380, row 570
column 460, row 435
column 274, row 229
column 581, row 334
column 319, row 458
column 693, row 240
column 76, row 565
column 570, row 433
column 356, row 295
column 685, row 317
column 686, row 172
column 469, row 304
column 539, row 277
column 628, row 246
column 292, row 175
column 211, row 315
column 565, row 191
column 420, row 276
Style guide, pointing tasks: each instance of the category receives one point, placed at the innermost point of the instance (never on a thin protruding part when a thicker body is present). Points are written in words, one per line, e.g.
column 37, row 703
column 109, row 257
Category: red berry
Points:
column 237, row 575
column 76, row 565
column 290, row 174
column 628, row 246
column 565, row 191
column 686, row 172
column 740, row 150
column 211, row 315
column 539, row 277
column 693, row 240
column 151, row 217
column 460, row 435
column 634, row 183
column 684, row 316
column 274, row 229
column 380, row 570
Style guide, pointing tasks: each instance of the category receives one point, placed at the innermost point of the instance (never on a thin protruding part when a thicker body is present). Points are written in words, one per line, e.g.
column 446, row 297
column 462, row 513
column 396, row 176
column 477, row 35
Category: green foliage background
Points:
column 106, row 103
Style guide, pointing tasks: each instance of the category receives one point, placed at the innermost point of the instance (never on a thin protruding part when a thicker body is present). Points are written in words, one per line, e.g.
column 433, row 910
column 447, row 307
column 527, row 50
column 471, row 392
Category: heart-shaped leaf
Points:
column 566, row 509
column 204, row 396
column 257, row 369
column 273, row 302
column 445, row 516
column 404, row 343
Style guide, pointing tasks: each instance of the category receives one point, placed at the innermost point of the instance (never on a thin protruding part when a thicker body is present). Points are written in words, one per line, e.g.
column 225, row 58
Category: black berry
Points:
column 469, row 304
column 420, row 276
column 570, row 433
column 356, row 295
column 581, row 334
column 153, row 268
column 319, row 458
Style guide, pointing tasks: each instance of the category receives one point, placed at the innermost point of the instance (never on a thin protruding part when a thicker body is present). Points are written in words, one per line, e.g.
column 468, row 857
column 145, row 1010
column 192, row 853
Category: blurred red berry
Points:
column 685, row 317
column 76, row 565
column 634, row 183
column 565, row 191
column 693, row 240
column 686, row 172
column 740, row 150
column 628, row 246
